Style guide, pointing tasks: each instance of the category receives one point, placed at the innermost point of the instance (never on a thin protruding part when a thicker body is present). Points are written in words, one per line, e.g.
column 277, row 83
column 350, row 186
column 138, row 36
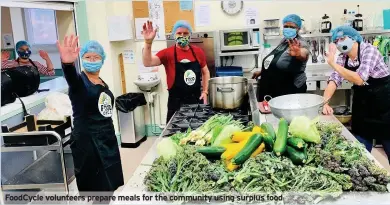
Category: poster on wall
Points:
column 8, row 41
column 156, row 15
column 128, row 56
column 119, row 28
column 251, row 16
column 202, row 15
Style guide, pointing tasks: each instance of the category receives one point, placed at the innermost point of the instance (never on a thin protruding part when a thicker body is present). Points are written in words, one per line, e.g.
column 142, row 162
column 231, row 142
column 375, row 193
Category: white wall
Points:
column 308, row 10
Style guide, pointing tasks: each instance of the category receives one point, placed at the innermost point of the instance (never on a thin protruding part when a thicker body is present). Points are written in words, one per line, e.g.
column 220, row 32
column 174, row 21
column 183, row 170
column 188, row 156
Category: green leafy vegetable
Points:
column 167, row 148
column 305, row 129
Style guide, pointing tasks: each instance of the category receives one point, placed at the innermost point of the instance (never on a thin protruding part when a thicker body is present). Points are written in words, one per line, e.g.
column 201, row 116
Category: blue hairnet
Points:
column 343, row 31
column 93, row 47
column 181, row 24
column 294, row 19
column 22, row 43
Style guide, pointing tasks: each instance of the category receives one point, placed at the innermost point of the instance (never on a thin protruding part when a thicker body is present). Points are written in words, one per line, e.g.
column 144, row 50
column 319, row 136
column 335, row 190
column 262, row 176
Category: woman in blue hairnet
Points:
column 283, row 70
column 95, row 148
column 185, row 65
column 361, row 64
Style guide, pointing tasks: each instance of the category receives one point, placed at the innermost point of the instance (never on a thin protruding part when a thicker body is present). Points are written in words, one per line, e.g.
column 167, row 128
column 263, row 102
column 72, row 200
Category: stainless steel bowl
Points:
column 290, row 106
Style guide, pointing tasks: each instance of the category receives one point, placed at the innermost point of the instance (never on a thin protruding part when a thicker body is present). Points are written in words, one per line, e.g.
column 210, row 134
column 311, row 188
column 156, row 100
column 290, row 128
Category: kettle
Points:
column 326, row 25
column 357, row 24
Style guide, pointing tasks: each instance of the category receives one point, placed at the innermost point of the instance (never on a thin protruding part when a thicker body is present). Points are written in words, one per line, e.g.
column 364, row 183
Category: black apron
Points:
column 275, row 81
column 187, row 86
column 95, row 149
column 371, row 106
column 22, row 80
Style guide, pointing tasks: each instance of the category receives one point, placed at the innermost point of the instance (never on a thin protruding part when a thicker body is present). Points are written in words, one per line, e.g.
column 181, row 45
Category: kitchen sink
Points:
column 147, row 81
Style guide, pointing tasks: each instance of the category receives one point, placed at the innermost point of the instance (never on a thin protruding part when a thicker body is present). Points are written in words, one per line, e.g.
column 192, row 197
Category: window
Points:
column 41, row 26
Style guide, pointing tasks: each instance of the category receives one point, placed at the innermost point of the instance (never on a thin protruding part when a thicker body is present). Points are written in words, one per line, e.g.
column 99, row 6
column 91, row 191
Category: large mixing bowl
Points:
column 290, row 106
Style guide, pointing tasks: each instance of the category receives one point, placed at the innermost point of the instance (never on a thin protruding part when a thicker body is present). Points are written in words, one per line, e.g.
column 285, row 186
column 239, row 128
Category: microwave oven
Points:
column 240, row 39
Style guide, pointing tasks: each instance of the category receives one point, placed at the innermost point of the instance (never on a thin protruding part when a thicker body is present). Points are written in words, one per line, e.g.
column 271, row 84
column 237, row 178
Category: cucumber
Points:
column 268, row 141
column 296, row 156
column 253, row 143
column 296, row 142
column 281, row 137
column 268, row 128
column 212, row 151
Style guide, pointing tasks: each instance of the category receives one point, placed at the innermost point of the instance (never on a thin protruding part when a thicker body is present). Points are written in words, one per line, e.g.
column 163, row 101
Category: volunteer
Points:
column 361, row 64
column 94, row 145
column 23, row 48
column 283, row 70
column 185, row 66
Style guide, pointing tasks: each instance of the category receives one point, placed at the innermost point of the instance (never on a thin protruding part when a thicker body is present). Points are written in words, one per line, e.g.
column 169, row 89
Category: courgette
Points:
column 281, row 137
column 268, row 128
column 296, row 156
column 212, row 151
column 252, row 144
column 296, row 142
column 240, row 136
column 268, row 141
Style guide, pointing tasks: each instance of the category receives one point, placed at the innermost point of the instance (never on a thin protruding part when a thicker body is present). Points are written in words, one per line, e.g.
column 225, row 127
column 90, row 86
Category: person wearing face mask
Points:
column 23, row 49
column 283, row 69
column 185, row 66
column 361, row 64
column 20, row 77
column 94, row 145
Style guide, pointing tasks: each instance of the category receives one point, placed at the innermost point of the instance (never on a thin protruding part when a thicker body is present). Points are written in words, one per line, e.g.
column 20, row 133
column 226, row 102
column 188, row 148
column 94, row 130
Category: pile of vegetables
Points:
column 305, row 156
column 216, row 130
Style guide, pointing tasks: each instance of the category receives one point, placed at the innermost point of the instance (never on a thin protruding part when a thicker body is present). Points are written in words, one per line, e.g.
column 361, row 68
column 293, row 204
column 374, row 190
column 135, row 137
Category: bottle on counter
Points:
column 344, row 18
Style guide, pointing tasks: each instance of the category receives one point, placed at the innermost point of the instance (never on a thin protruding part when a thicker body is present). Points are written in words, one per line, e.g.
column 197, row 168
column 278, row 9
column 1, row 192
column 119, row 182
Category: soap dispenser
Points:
column 326, row 25
column 358, row 22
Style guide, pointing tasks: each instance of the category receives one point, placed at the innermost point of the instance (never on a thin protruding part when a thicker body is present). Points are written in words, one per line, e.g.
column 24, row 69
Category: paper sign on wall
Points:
column 128, row 56
column 251, row 16
column 202, row 15
column 119, row 28
column 156, row 14
column 8, row 41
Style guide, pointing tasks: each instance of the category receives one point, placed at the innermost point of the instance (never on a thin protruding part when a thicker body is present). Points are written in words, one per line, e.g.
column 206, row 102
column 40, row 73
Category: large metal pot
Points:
column 227, row 92
column 290, row 106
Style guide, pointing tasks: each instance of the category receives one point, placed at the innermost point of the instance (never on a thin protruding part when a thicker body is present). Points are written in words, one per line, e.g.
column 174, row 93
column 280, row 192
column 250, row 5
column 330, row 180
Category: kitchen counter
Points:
column 56, row 85
column 135, row 184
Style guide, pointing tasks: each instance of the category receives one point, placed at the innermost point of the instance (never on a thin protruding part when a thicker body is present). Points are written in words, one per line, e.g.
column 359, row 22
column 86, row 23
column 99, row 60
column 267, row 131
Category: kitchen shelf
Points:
column 372, row 32
column 239, row 53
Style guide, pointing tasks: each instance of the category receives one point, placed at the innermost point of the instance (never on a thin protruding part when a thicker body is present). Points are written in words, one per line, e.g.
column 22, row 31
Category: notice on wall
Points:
column 128, row 56
column 156, row 15
column 186, row 5
column 119, row 28
column 202, row 15
column 251, row 16
column 8, row 41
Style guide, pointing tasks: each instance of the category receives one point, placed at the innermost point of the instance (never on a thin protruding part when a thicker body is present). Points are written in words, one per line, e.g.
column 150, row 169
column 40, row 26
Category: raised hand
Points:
column 43, row 54
column 148, row 31
column 295, row 47
column 69, row 51
column 331, row 53
column 4, row 55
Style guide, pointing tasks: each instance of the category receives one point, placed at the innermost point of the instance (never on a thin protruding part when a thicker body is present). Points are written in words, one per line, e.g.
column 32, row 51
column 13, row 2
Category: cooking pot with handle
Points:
column 227, row 92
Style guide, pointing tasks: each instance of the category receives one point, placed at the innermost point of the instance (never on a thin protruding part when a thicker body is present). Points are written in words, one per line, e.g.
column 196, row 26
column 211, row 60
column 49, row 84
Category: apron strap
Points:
column 25, row 113
column 192, row 51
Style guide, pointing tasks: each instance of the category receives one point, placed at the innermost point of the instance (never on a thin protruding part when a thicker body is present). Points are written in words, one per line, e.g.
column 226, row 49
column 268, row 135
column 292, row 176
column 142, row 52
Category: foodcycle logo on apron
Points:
column 104, row 105
column 189, row 77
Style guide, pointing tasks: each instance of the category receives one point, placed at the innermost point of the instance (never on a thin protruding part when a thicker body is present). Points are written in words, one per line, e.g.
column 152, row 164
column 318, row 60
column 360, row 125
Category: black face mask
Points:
column 24, row 54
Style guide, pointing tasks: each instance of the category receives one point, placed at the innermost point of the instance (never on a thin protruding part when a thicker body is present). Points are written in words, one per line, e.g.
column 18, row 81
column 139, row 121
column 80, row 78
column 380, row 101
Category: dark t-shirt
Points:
column 89, row 101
